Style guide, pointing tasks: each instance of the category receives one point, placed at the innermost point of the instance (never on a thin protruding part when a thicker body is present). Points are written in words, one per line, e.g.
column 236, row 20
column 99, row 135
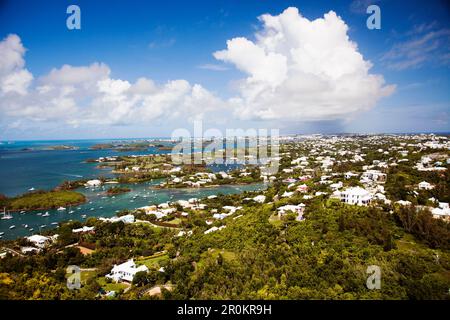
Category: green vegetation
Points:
column 117, row 190
column 111, row 286
column 153, row 261
column 40, row 200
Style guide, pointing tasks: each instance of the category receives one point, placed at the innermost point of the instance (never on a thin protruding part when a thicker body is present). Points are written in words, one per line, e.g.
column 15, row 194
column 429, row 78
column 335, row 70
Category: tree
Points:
column 140, row 279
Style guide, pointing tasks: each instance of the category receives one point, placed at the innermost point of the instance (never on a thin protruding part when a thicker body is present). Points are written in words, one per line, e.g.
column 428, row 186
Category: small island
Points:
column 42, row 200
column 61, row 147
column 117, row 190
column 122, row 146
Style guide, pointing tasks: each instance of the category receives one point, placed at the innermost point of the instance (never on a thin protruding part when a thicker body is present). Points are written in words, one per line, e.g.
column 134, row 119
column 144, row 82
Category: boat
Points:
column 12, row 227
column 71, row 211
column 22, row 212
column 25, row 226
column 39, row 214
column 6, row 216
column 31, row 229
column 31, row 189
column 2, row 233
column 46, row 214
column 43, row 226
column 61, row 209
column 54, row 223
column 83, row 216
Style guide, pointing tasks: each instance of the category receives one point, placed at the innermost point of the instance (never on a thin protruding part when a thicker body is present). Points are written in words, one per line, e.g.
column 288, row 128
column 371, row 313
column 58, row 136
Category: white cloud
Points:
column 78, row 95
column 300, row 69
column 423, row 45
column 14, row 78
column 213, row 67
column 296, row 69
column 69, row 75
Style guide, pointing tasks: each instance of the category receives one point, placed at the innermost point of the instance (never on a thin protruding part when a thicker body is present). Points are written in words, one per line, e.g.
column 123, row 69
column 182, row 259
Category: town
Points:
column 337, row 202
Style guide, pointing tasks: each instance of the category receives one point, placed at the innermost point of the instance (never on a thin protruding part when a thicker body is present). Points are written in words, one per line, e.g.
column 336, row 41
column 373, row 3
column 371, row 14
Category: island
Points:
column 42, row 200
column 117, row 190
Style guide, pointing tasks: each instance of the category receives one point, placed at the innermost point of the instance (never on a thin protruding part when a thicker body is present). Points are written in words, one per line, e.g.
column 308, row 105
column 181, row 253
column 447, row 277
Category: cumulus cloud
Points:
column 300, row 69
column 295, row 69
column 78, row 95
column 69, row 75
column 14, row 78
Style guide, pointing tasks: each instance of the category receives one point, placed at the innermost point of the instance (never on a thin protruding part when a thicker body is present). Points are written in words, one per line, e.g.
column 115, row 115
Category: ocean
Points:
column 30, row 164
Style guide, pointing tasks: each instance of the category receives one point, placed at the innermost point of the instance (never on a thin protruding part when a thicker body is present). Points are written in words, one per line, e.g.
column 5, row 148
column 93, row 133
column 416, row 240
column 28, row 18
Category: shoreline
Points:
column 208, row 186
column 45, row 208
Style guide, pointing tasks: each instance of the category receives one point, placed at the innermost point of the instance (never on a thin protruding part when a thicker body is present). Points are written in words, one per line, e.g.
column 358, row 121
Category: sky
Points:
column 145, row 68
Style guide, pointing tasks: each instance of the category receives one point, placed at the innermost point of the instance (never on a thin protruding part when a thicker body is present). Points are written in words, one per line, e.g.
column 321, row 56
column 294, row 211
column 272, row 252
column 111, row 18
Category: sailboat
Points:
column 6, row 216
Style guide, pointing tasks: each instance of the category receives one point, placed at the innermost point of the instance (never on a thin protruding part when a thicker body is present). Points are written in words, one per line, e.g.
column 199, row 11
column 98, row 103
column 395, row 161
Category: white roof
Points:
column 84, row 229
column 37, row 238
column 357, row 191
column 126, row 270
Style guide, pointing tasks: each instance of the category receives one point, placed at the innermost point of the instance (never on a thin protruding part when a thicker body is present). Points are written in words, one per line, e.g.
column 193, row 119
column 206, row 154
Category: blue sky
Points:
column 168, row 40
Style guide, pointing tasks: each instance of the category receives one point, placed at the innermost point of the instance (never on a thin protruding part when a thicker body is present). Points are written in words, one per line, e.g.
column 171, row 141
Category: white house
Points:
column 287, row 194
column 214, row 229
column 260, row 199
column 442, row 212
column 350, row 174
column 129, row 218
column 93, row 183
column 125, row 271
column 425, row 186
column 373, row 175
column 299, row 209
column 404, row 202
column 356, row 195
column 83, row 229
column 38, row 240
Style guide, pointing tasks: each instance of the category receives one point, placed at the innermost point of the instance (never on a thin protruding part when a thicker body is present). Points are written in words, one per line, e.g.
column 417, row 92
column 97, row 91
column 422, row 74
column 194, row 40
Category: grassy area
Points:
column 275, row 220
column 86, row 275
column 111, row 286
column 45, row 200
column 213, row 254
column 153, row 261
column 408, row 243
column 175, row 221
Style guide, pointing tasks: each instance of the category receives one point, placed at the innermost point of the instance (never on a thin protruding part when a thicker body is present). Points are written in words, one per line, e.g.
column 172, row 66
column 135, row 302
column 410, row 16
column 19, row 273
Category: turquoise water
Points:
column 45, row 169
column 100, row 205
column 26, row 164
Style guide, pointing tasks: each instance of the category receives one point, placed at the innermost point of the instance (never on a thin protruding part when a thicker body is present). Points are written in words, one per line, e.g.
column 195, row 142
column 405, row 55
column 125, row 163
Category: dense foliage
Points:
column 43, row 200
